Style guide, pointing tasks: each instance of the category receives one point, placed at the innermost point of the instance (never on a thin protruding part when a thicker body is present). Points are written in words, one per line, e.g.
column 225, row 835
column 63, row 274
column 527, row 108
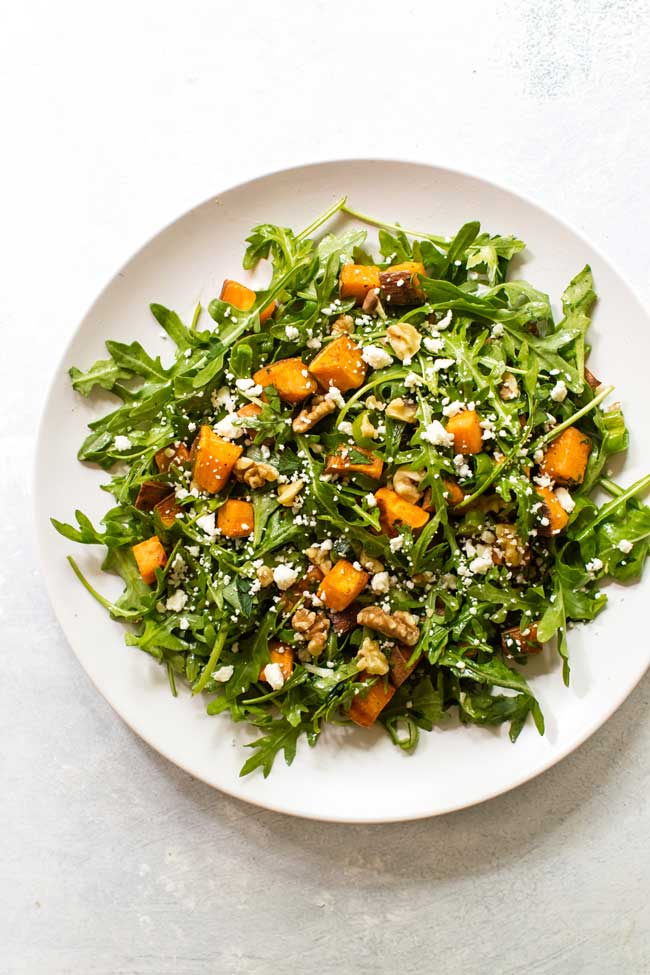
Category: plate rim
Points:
column 39, row 521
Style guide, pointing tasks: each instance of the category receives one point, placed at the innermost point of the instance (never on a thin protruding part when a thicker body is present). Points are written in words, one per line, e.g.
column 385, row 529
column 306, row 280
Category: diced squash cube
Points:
column 149, row 556
column 235, row 518
column 565, row 458
column 243, row 298
column 280, row 654
column 168, row 509
column 339, row 364
column 394, row 510
column 342, row 585
column 356, row 280
column 150, row 493
column 516, row 641
column 213, row 460
column 367, row 705
column 466, row 430
column 172, row 457
column 290, row 377
column 410, row 267
column 552, row 511
column 342, row 462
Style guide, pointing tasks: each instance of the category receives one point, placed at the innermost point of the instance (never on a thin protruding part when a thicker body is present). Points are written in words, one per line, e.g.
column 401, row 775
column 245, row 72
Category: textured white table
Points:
column 117, row 117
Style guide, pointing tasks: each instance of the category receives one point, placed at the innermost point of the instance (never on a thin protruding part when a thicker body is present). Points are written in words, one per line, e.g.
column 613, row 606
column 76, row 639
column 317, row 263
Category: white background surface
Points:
column 115, row 119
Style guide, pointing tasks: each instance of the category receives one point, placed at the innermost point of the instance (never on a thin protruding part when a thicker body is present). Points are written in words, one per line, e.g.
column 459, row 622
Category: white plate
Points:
column 352, row 775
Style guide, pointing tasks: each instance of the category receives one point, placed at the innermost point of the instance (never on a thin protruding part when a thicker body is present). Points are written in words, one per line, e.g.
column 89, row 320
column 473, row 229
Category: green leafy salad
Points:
column 364, row 495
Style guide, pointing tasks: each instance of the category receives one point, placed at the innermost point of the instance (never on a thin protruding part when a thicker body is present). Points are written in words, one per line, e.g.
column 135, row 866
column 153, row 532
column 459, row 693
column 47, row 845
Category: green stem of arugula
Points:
column 206, row 673
column 556, row 431
column 439, row 241
column 611, row 487
column 195, row 318
column 106, row 603
column 324, row 217
column 171, row 679
column 397, row 373
column 643, row 484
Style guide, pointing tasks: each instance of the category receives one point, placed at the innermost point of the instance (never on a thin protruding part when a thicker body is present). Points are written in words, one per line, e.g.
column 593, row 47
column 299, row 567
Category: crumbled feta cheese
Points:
column 274, row 676
column 436, row 434
column 446, row 321
column 223, row 674
column 371, row 500
column 538, row 456
column 122, row 443
column 314, row 342
column 463, row 469
column 559, row 391
column 595, row 565
column 564, row 497
column 453, row 408
column 380, row 582
column 433, row 345
column 396, row 543
column 411, row 380
column 345, row 427
column 625, row 546
column 227, row 428
column 544, row 481
column 376, row 357
column 222, row 397
column 480, row 564
column 335, row 394
column 177, row 601
column 207, row 524
column 184, row 623
column 497, row 330
column 284, row 576
column 440, row 364
column 292, row 333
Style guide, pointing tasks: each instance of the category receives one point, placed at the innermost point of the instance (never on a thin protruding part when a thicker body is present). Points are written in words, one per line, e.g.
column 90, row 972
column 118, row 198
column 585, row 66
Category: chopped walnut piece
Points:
column 405, row 340
column 367, row 428
column 371, row 303
column 369, row 563
column 370, row 658
column 254, row 473
column 303, row 619
column 313, row 413
column 344, row 325
column 320, row 556
column 287, row 493
column 312, row 627
column 400, row 626
column 406, row 483
column 509, row 547
column 265, row 576
column 400, row 409
column 509, row 388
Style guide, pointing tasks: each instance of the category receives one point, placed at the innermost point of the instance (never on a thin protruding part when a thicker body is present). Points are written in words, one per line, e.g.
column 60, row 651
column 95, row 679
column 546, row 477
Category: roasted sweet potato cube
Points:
column 172, row 456
column 281, row 654
column 565, row 458
column 149, row 556
column 150, row 493
column 343, row 462
column 290, row 377
column 552, row 511
column 367, row 705
column 466, row 430
column 399, row 668
column 235, row 518
column 213, row 460
column 342, row 585
column 517, row 641
column 168, row 509
column 243, row 298
column 394, row 510
column 339, row 364
column 356, row 280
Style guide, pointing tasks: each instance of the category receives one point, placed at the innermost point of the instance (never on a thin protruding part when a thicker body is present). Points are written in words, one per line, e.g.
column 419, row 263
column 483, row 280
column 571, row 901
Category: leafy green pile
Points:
column 208, row 618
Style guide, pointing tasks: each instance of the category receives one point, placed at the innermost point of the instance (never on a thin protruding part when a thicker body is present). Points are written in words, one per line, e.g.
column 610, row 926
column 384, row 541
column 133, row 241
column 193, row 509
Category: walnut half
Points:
column 308, row 417
column 254, row 473
column 400, row 626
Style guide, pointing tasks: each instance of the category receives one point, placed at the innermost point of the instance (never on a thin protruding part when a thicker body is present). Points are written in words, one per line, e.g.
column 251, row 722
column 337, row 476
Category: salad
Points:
column 367, row 494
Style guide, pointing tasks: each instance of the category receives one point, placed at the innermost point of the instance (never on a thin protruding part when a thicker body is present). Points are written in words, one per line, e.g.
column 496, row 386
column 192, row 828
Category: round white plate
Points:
column 352, row 775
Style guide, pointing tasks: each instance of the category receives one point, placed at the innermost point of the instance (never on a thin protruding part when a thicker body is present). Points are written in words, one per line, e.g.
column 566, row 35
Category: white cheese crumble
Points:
column 371, row 500
column 292, row 333
column 376, row 357
column 434, row 345
column 446, row 321
column 380, row 582
column 436, row 434
column 335, row 394
column 559, row 391
column 223, row 674
column 177, row 601
column 284, row 576
column 564, row 497
column 497, row 330
column 345, row 427
column 625, row 546
column 453, row 408
column 412, row 379
column 481, row 564
column 227, row 428
column 396, row 543
column 122, row 443
column 595, row 565
column 207, row 524
column 274, row 676
column 440, row 364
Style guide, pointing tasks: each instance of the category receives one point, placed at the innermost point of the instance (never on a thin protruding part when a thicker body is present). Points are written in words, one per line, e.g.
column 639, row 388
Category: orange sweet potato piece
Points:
column 150, row 493
column 172, row 456
column 367, row 705
column 454, row 495
column 395, row 510
column 356, row 280
column 243, row 298
column 565, row 458
column 290, row 377
column 466, row 429
column 339, row 364
column 516, row 641
column 167, row 510
column 213, row 460
column 410, row 267
column 149, row 556
column 342, row 585
column 281, row 654
column 235, row 518
column 340, row 463
column 553, row 511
